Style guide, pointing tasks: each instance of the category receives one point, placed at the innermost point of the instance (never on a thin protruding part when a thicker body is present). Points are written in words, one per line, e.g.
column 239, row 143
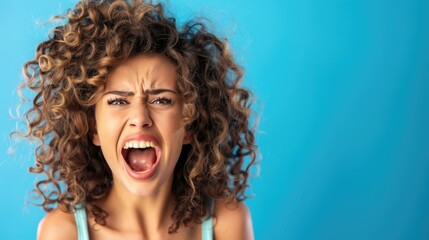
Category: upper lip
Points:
column 139, row 137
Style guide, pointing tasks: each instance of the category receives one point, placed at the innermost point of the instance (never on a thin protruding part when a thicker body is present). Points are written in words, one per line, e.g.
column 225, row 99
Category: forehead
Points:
column 146, row 71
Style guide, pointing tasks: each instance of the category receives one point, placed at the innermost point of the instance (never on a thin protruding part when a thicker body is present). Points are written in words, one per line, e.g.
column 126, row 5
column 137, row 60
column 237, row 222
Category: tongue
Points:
column 141, row 160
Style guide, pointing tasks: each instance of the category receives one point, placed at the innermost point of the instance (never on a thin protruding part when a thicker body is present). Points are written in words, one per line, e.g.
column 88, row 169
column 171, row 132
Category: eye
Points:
column 117, row 101
column 161, row 101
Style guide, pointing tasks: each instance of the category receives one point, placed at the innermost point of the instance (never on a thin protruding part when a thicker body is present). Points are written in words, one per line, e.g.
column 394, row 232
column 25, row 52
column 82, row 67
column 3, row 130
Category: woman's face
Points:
column 139, row 124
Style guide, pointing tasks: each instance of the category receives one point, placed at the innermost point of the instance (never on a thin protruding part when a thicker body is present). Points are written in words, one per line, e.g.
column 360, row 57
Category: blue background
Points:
column 343, row 93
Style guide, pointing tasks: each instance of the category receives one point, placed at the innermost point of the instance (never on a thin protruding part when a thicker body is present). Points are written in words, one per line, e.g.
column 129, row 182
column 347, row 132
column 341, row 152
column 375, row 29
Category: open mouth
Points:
column 139, row 155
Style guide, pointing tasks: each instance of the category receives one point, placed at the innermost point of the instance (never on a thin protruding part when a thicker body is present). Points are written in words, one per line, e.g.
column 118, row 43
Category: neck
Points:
column 147, row 215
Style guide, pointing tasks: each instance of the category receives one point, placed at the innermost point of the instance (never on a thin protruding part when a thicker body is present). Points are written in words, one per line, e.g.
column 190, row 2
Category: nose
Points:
column 140, row 116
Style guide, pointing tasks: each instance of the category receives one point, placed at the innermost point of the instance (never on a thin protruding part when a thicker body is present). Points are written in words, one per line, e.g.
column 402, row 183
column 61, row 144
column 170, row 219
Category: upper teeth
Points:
column 139, row 144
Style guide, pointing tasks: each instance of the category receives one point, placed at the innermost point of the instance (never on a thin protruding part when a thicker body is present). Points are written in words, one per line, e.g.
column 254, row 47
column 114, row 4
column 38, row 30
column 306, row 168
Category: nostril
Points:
column 147, row 124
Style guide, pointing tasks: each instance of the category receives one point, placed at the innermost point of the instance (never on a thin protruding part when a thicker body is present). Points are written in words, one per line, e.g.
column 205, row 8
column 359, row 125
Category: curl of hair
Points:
column 69, row 72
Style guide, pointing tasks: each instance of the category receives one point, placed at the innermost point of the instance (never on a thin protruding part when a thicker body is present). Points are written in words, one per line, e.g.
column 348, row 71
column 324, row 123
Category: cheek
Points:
column 171, row 124
column 172, row 131
column 107, row 126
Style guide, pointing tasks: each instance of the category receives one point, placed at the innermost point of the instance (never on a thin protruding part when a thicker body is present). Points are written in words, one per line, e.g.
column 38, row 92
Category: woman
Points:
column 143, row 128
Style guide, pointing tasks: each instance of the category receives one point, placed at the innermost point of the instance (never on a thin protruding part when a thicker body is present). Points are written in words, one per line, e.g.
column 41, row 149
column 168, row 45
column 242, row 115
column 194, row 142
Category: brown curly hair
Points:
column 69, row 72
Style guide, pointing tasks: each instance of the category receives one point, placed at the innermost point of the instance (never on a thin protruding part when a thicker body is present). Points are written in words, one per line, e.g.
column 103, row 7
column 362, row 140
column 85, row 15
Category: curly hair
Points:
column 68, row 73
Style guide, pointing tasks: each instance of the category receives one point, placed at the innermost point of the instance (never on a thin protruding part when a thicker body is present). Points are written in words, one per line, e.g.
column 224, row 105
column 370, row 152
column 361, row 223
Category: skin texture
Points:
column 59, row 225
column 141, row 209
column 140, row 115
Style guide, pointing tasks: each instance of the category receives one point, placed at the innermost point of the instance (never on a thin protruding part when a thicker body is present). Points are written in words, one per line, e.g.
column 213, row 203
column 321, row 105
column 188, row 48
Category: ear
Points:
column 187, row 139
column 93, row 132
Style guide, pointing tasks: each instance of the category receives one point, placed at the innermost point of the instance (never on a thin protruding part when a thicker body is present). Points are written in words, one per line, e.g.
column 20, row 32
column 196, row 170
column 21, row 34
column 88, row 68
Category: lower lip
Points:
column 142, row 175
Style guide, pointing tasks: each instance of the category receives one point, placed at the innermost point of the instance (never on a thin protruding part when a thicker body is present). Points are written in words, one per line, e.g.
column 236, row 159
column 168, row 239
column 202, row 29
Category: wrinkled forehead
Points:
column 143, row 72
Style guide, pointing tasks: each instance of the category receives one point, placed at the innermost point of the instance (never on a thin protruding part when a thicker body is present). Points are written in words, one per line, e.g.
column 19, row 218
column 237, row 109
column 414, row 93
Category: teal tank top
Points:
column 82, row 225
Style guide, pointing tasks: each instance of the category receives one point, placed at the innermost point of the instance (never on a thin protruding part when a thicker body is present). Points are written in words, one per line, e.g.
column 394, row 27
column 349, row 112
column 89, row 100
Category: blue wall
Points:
column 344, row 129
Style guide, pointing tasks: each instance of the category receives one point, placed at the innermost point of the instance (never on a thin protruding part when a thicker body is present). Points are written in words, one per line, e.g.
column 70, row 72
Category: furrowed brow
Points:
column 158, row 91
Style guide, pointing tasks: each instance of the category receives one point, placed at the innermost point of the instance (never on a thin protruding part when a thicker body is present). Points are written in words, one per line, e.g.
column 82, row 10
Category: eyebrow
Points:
column 149, row 91
column 120, row 93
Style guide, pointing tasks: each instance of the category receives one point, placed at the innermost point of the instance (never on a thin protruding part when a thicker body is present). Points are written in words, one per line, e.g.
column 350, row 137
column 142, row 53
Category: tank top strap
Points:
column 207, row 225
column 81, row 222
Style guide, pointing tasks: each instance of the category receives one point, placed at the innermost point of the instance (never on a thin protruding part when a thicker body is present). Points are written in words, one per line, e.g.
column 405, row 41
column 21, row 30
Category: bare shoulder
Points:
column 232, row 221
column 57, row 225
